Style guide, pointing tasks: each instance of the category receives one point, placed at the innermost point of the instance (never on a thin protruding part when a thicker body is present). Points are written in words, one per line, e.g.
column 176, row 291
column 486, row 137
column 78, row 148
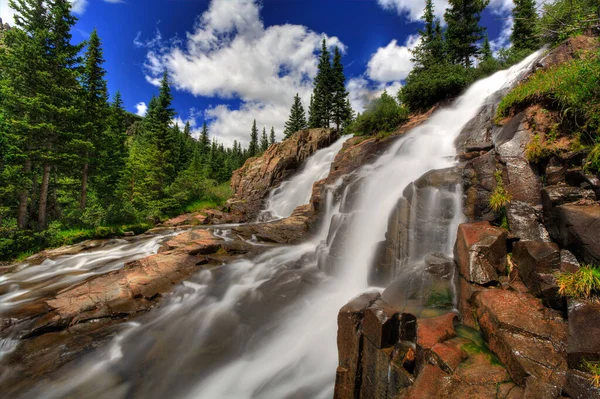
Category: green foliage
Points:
column 297, row 120
column 593, row 160
column 500, row 197
column 382, row 115
column 581, row 284
column 594, row 369
column 424, row 88
column 564, row 18
column 572, row 87
column 253, row 149
column 463, row 31
column 525, row 35
column 535, row 151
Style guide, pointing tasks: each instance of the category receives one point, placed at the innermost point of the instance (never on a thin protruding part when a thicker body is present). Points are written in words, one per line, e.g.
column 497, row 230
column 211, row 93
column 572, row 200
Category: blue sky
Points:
column 232, row 61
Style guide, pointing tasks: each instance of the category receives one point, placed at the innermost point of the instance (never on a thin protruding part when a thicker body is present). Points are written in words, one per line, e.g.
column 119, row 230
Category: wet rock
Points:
column 349, row 341
column 528, row 338
column 375, row 366
column 430, row 383
column 129, row 234
column 475, row 136
column 536, row 388
column 252, row 183
column 579, row 386
column 584, row 332
column 466, row 291
column 382, row 269
column 538, row 262
column 436, row 329
column 440, row 178
column 479, row 182
column 290, row 230
column 188, row 219
column 401, row 367
column 577, row 228
column 440, row 265
column 448, row 354
column 381, row 324
column 558, row 195
column 480, row 252
column 568, row 262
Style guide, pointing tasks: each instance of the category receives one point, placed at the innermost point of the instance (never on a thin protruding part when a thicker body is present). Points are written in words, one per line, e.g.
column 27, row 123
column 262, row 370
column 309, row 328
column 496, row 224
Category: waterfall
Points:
column 297, row 190
column 266, row 327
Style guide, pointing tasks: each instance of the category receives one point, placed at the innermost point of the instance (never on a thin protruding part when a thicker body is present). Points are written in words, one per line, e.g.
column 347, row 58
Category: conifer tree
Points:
column 486, row 50
column 264, row 141
column 272, row 139
column 253, row 148
column 339, row 104
column 95, row 107
column 313, row 120
column 524, row 35
column 322, row 101
column 297, row 119
column 204, row 140
column 430, row 50
column 463, row 31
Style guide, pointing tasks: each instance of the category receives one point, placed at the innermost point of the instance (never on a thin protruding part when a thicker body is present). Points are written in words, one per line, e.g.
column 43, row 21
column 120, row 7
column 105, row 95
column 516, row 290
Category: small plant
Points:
column 593, row 160
column 581, row 284
column 500, row 197
column 594, row 369
column 536, row 151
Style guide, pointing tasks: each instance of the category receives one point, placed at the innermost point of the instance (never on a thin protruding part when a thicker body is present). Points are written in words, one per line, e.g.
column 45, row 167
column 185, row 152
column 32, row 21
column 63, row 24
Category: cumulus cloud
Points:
column 393, row 62
column 141, row 108
column 413, row 9
column 362, row 91
column 231, row 54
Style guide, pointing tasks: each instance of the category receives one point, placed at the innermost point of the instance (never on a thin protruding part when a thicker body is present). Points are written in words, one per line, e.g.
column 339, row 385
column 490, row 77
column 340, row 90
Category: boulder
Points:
column 579, row 386
column 479, row 183
column 529, row 339
column 584, row 332
column 538, row 262
column 480, row 252
column 349, row 342
column 429, row 384
column 435, row 329
column 577, row 228
column 252, row 183
column 290, row 230
column 568, row 262
column 381, row 324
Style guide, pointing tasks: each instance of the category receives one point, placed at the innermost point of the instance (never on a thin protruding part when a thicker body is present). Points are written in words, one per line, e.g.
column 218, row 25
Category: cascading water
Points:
column 266, row 327
column 297, row 190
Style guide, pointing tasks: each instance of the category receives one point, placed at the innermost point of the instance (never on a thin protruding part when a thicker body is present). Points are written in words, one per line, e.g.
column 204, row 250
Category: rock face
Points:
column 252, row 183
column 577, row 227
column 480, row 252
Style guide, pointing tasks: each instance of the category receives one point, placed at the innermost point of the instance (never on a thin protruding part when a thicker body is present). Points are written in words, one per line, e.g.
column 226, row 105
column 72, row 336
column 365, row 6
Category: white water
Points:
column 222, row 336
column 297, row 190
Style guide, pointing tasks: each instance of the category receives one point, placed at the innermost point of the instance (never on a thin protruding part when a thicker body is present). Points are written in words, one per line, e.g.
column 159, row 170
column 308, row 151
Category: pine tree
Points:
column 95, row 106
column 322, row 101
column 430, row 51
column 253, row 147
column 486, row 50
column 297, row 119
column 264, row 141
column 204, row 140
column 524, row 35
column 463, row 30
column 272, row 139
column 339, row 103
column 313, row 121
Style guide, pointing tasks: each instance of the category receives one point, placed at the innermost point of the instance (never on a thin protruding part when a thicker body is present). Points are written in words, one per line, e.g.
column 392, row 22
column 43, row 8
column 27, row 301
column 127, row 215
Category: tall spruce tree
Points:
column 463, row 31
column 486, row 50
column 297, row 119
column 204, row 140
column 95, row 108
column 253, row 148
column 272, row 139
column 524, row 35
column 264, row 141
column 321, row 109
column 313, row 121
column 339, row 98
column 430, row 51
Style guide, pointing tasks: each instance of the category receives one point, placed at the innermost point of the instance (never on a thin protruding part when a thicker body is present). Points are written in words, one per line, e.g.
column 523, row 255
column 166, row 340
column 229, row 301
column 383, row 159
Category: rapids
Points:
column 266, row 327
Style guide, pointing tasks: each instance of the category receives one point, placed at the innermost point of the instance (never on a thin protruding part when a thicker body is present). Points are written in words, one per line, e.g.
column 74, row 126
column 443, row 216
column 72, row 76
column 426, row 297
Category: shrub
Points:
column 564, row 18
column 383, row 114
column 426, row 87
column 581, row 284
column 593, row 160
column 500, row 197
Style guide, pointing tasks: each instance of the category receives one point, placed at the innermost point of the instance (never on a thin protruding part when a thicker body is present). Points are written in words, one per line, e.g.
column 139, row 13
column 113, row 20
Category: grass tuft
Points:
column 594, row 369
column 500, row 196
column 581, row 284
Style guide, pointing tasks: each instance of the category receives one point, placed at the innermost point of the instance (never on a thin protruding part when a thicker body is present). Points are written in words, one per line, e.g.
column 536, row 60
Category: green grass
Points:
column 594, row 369
column 216, row 197
column 500, row 197
column 573, row 88
column 581, row 284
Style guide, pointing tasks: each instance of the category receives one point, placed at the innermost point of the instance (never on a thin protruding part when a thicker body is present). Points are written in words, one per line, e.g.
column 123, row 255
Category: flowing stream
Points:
column 297, row 190
column 266, row 327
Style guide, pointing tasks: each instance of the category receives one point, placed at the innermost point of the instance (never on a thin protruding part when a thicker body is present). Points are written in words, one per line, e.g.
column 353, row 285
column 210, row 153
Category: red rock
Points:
column 375, row 371
column 535, row 388
column 480, row 252
column 436, row 329
column 429, row 384
column 528, row 338
column 381, row 324
column 579, row 386
column 448, row 354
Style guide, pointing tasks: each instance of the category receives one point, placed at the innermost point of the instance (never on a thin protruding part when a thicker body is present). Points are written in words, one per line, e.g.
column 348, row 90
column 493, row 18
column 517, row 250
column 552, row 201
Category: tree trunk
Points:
column 22, row 215
column 84, row 179
column 43, row 197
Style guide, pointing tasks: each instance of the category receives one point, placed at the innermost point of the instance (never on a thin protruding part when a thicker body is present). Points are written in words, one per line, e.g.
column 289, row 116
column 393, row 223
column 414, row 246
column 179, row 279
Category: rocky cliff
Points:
column 513, row 336
column 252, row 183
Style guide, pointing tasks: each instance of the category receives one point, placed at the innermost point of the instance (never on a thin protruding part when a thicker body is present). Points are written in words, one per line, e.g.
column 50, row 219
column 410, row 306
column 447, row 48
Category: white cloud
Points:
column 413, row 9
column 141, row 108
column 231, row 54
column 393, row 62
column 362, row 91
